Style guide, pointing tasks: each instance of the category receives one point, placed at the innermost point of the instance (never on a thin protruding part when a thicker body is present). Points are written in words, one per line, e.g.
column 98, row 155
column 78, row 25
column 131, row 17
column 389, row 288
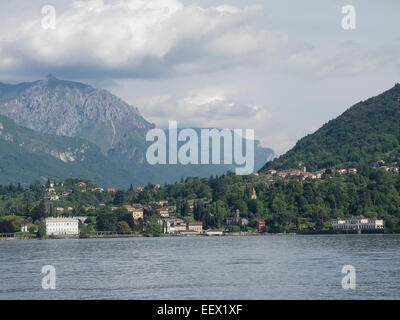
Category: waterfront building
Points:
column 195, row 227
column 213, row 232
column 178, row 227
column 260, row 225
column 62, row 226
column 357, row 223
column 174, row 225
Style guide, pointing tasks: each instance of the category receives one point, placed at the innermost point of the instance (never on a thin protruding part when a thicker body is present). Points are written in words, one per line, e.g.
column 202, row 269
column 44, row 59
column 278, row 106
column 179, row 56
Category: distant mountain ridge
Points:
column 72, row 109
column 366, row 132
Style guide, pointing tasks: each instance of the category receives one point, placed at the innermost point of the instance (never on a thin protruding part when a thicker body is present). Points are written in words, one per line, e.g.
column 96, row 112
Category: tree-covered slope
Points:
column 26, row 155
column 367, row 132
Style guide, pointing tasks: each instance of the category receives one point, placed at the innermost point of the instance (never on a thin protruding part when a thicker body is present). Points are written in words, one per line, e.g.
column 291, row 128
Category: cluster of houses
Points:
column 392, row 167
column 84, row 188
column 141, row 188
column 51, row 192
column 305, row 175
column 178, row 226
column 53, row 195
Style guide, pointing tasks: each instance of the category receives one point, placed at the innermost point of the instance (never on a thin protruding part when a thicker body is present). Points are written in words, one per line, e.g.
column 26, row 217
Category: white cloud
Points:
column 141, row 38
column 158, row 38
column 206, row 108
column 344, row 60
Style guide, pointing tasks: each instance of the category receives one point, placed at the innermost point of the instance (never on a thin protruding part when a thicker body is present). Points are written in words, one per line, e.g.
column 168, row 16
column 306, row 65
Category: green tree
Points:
column 119, row 198
column 106, row 220
column 123, row 227
column 41, row 232
column 153, row 228
column 39, row 212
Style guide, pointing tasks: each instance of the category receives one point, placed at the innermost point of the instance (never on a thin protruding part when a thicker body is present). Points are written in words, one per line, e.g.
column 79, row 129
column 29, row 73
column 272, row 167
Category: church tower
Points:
column 254, row 195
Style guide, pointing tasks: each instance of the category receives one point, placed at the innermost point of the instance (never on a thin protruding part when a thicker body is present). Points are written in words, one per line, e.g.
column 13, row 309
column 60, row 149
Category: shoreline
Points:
column 117, row 236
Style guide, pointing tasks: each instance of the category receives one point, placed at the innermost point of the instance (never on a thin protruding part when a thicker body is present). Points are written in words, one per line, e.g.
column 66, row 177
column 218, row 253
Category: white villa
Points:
column 179, row 226
column 62, row 226
column 357, row 223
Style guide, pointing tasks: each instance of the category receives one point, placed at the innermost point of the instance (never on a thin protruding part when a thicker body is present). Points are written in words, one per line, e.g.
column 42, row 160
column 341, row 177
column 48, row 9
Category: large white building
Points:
column 179, row 226
column 357, row 223
column 62, row 226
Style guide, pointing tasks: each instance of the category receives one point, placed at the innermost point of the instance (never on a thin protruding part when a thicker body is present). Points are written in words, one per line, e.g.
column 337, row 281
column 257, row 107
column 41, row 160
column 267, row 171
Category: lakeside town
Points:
column 80, row 208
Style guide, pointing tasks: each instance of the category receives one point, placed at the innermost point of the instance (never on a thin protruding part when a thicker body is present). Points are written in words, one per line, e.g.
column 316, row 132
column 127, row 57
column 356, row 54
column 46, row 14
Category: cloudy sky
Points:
column 283, row 67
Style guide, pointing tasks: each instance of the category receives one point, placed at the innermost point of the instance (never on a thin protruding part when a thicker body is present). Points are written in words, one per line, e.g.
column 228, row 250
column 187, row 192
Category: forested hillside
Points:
column 367, row 132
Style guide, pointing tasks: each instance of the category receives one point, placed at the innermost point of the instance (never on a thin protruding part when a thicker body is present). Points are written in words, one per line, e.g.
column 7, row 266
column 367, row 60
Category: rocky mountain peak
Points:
column 75, row 109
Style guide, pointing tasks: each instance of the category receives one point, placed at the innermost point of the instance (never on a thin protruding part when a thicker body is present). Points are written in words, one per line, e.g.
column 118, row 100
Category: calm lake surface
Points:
column 262, row 267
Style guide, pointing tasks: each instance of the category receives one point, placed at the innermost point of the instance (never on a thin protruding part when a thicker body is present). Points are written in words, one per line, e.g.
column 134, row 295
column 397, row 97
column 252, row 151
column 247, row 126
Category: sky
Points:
column 282, row 68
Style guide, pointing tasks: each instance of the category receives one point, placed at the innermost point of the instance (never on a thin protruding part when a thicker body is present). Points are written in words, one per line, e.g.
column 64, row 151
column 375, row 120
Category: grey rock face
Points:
column 73, row 109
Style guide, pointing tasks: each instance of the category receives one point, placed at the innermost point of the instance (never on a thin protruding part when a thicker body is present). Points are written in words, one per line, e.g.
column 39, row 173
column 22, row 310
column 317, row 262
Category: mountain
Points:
column 26, row 155
column 366, row 132
column 72, row 109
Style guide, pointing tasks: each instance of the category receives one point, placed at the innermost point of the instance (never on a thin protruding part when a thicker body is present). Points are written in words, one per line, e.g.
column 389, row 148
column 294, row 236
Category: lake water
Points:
column 258, row 267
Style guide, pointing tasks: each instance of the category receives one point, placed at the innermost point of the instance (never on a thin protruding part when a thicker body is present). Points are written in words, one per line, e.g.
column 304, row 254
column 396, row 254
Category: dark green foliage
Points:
column 123, row 227
column 153, row 228
column 41, row 233
column 119, row 198
column 7, row 226
column 39, row 212
column 367, row 132
column 106, row 220
column 184, row 209
column 38, row 190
